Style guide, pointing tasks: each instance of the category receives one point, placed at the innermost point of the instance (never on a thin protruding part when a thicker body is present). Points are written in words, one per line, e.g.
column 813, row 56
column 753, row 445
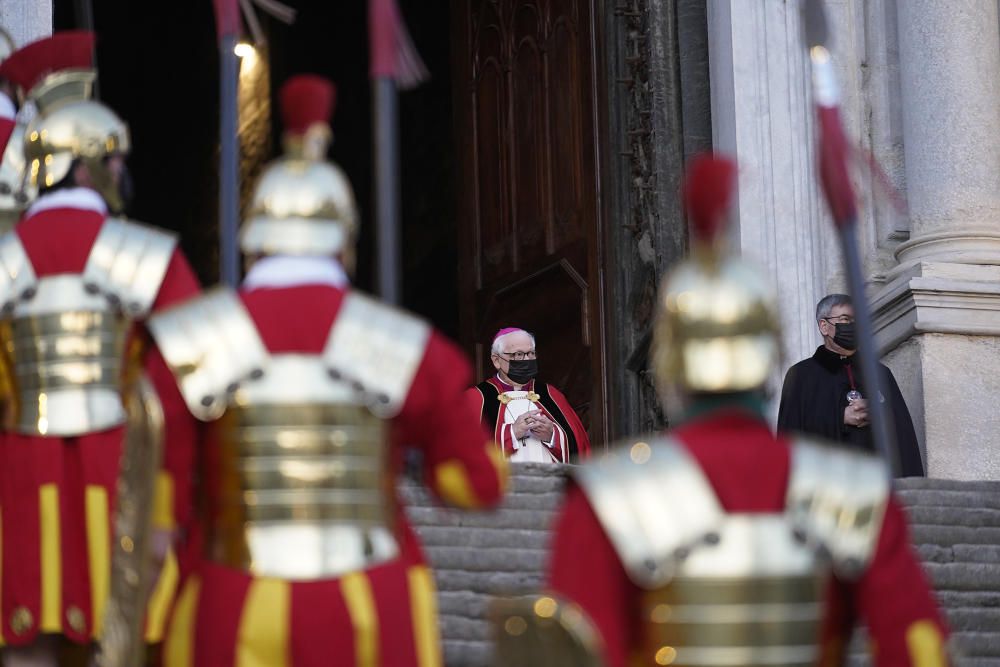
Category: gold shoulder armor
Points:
column 17, row 276
column 378, row 349
column 837, row 499
column 543, row 631
column 654, row 504
column 211, row 345
column 128, row 263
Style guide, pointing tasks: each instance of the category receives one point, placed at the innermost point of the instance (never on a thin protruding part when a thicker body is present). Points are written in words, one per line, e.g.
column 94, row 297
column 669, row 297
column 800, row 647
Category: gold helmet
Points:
column 716, row 327
column 302, row 204
column 58, row 76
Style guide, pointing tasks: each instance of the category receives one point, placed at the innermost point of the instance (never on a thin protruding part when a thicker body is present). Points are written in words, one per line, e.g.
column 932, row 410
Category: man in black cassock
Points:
column 824, row 395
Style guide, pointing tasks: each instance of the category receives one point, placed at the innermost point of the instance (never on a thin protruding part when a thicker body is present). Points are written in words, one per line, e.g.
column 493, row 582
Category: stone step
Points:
column 468, row 653
column 964, row 576
column 968, row 599
column 949, row 535
column 947, row 498
column 974, row 620
column 975, row 517
column 488, row 560
column 469, row 629
column 458, row 603
column 976, row 645
column 959, row 553
column 494, row 583
column 501, row 518
column 935, row 484
column 486, row 538
column 523, row 500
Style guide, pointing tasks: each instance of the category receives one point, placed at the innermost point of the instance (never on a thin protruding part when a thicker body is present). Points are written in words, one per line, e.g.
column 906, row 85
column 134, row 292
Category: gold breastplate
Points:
column 64, row 335
column 734, row 589
column 752, row 595
column 305, row 476
column 305, row 490
column 65, row 349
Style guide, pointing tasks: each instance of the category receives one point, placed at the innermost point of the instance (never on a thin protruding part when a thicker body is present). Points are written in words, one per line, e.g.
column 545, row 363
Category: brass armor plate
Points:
column 128, row 263
column 305, row 484
column 377, row 349
column 66, row 348
column 211, row 345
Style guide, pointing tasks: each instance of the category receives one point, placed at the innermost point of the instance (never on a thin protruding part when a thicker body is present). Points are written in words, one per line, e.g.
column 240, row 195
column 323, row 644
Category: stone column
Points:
column 938, row 314
column 26, row 20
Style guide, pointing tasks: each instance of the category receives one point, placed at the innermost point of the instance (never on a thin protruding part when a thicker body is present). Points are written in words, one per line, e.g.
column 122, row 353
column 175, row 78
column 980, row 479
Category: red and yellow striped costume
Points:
column 57, row 493
column 384, row 615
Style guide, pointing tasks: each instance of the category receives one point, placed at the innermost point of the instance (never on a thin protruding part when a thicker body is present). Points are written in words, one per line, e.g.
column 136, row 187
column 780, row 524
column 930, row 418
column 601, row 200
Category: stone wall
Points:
column 476, row 556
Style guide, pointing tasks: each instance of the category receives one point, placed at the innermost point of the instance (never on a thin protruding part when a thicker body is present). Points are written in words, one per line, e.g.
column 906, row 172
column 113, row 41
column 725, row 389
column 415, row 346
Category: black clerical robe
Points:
column 814, row 397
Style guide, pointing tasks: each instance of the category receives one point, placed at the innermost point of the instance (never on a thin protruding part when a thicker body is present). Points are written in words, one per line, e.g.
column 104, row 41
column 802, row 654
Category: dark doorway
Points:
column 526, row 118
column 159, row 69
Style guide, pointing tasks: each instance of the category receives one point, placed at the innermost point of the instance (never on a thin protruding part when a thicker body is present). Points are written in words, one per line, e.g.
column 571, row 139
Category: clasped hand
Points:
column 536, row 423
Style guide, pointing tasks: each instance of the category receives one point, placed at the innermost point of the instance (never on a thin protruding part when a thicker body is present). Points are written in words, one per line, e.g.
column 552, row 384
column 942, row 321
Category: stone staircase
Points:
column 476, row 556
column 956, row 529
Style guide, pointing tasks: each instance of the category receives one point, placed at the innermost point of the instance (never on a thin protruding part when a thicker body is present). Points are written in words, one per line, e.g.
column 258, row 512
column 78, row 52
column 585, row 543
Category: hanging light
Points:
column 244, row 49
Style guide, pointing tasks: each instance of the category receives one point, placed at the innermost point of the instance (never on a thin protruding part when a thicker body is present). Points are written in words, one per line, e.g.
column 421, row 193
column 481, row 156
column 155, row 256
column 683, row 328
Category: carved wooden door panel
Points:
column 529, row 228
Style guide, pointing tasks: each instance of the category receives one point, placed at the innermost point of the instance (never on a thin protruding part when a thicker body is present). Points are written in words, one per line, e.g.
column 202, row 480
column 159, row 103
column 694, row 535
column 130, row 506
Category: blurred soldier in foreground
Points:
column 719, row 543
column 310, row 389
column 75, row 282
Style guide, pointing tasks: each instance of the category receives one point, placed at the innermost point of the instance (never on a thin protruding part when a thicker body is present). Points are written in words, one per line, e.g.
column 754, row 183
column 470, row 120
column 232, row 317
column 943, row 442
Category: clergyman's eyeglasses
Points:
column 518, row 356
column 842, row 319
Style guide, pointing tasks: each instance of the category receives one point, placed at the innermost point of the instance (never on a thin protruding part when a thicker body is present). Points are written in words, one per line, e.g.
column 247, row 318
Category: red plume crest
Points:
column 306, row 100
column 708, row 190
column 71, row 49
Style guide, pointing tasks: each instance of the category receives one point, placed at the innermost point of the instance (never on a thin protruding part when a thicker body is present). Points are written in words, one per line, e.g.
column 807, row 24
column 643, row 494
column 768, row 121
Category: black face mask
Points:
column 845, row 335
column 520, row 372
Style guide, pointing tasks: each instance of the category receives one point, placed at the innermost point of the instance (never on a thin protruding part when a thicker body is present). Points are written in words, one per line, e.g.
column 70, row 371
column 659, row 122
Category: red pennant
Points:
column 393, row 54
column 227, row 17
column 833, row 154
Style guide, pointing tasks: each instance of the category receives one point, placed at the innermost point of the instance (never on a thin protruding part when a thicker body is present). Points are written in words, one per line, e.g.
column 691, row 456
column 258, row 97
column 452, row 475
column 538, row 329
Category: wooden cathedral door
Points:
column 528, row 215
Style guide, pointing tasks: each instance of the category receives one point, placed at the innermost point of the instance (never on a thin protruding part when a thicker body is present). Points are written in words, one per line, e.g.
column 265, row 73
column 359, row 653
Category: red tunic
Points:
column 748, row 468
column 384, row 615
column 57, row 493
